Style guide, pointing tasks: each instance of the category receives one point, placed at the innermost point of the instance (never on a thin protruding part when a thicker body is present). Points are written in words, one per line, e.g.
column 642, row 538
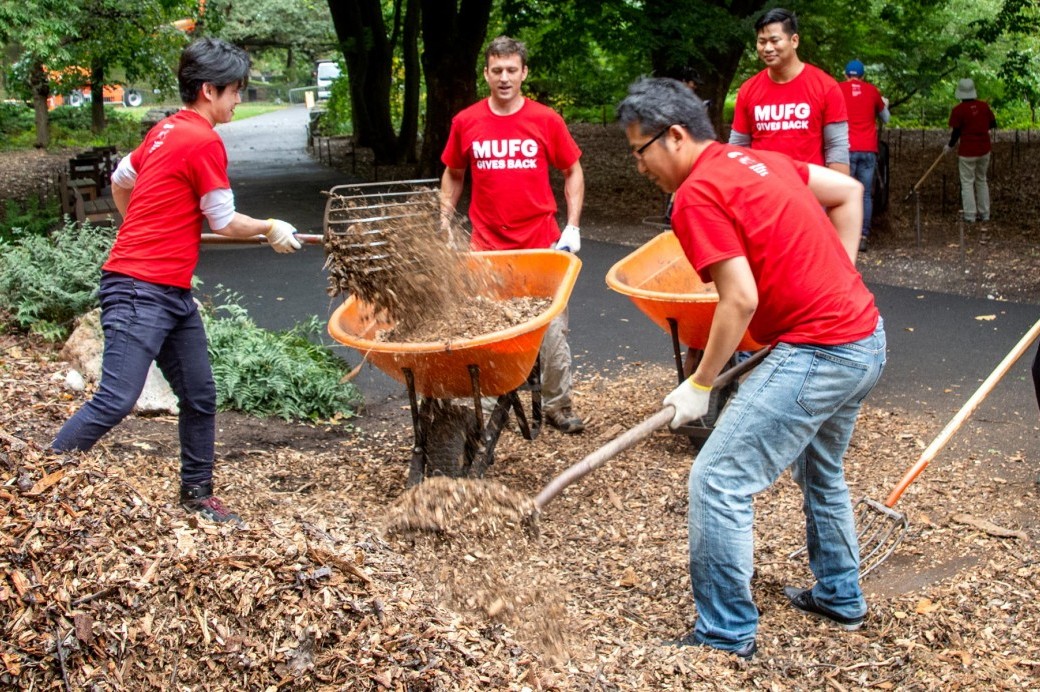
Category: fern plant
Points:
column 283, row 374
column 47, row 281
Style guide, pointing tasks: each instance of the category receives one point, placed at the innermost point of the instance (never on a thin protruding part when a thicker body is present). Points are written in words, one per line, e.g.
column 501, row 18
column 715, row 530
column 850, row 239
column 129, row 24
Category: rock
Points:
column 83, row 352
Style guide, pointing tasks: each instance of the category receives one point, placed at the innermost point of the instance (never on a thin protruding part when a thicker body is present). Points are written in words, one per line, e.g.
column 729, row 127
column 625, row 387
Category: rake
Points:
column 879, row 527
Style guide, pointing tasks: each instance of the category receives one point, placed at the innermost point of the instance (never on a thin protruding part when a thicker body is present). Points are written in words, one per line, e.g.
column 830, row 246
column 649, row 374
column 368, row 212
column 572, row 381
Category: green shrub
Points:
column 15, row 118
column 281, row 374
column 47, row 281
column 31, row 217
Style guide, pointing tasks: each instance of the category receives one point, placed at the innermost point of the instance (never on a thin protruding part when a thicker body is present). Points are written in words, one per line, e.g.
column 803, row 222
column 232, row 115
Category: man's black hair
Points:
column 213, row 61
column 778, row 15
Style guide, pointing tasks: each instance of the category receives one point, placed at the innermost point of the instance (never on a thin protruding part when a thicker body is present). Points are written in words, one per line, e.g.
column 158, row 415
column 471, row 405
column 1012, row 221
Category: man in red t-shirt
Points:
column 791, row 106
column 971, row 120
column 865, row 106
column 508, row 143
column 754, row 223
column 164, row 189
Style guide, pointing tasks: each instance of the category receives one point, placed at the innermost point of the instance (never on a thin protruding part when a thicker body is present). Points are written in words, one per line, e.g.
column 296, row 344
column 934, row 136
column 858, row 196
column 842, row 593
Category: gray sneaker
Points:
column 565, row 421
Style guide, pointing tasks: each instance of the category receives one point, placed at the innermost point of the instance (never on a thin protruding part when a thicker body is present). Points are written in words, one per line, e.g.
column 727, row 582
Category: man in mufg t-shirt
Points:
column 791, row 106
column 754, row 223
column 866, row 106
column 508, row 143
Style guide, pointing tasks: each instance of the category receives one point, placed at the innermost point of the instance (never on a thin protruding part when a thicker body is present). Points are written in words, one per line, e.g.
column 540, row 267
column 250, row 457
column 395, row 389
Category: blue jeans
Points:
column 796, row 409
column 861, row 167
column 143, row 322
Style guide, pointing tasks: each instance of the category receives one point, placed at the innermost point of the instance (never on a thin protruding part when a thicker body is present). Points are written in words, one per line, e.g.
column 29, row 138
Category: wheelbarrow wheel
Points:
column 452, row 440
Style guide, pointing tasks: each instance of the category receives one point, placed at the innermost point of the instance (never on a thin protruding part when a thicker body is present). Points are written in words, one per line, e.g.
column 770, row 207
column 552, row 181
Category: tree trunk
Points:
column 41, row 91
column 369, row 59
column 453, row 35
column 406, row 138
column 97, row 99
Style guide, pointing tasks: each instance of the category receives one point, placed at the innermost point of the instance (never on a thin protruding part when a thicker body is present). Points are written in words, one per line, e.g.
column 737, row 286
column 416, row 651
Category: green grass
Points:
column 242, row 110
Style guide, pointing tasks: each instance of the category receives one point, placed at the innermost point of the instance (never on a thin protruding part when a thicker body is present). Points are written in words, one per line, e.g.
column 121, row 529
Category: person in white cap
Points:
column 971, row 120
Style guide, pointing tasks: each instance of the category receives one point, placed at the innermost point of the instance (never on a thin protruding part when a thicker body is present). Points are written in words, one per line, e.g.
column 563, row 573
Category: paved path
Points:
column 939, row 351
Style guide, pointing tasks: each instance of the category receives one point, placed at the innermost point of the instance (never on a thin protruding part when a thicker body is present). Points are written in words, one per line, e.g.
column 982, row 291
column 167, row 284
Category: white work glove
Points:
column 282, row 236
column 690, row 401
column 947, row 149
column 570, row 239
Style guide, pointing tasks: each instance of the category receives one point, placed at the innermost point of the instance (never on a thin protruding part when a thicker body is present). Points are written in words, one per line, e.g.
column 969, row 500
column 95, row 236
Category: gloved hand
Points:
column 947, row 149
column 570, row 239
column 690, row 401
column 282, row 236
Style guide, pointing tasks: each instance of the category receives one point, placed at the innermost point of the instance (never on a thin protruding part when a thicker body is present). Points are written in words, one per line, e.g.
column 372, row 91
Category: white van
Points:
column 325, row 72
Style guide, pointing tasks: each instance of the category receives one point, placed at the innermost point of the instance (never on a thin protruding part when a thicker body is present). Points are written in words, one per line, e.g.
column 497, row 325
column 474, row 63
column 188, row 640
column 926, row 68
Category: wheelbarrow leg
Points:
column 417, row 465
column 530, row 429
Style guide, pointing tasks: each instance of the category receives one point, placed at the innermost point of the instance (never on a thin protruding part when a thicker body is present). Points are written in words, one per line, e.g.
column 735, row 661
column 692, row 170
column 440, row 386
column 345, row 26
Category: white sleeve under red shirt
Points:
column 737, row 202
column 863, row 102
column 180, row 160
column 511, row 201
column 789, row 117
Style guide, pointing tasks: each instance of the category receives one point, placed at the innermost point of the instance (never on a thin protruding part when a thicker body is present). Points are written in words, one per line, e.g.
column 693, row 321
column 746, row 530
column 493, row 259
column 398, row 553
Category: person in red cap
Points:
column 865, row 106
column 970, row 121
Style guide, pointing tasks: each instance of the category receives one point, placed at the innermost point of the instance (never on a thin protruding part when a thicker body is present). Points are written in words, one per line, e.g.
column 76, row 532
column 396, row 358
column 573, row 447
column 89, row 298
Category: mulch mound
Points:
column 105, row 583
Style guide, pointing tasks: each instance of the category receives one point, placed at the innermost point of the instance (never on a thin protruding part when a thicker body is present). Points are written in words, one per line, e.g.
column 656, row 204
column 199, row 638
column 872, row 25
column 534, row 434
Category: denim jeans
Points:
column 974, row 186
column 861, row 167
column 143, row 322
column 796, row 409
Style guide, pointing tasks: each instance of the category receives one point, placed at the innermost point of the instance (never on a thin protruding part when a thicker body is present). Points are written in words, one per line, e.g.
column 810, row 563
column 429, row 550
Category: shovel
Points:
column 632, row 436
column 881, row 528
column 917, row 185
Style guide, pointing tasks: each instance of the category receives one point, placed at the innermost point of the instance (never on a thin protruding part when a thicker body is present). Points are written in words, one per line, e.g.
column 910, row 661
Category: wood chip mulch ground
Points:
column 106, row 584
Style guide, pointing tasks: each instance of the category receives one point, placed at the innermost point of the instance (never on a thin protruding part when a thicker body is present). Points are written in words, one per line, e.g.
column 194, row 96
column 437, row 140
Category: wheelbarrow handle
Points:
column 632, row 436
column 217, row 239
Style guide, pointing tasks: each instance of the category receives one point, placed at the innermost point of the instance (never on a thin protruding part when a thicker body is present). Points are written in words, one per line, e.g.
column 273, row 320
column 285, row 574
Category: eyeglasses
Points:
column 638, row 153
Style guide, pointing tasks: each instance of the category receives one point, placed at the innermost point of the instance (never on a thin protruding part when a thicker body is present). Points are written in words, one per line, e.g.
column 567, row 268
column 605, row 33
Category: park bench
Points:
column 98, row 209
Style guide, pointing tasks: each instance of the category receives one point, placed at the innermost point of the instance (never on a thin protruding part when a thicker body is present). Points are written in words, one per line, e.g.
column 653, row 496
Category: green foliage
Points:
column 14, row 118
column 281, row 374
column 31, row 217
column 47, row 281
column 336, row 120
column 71, row 127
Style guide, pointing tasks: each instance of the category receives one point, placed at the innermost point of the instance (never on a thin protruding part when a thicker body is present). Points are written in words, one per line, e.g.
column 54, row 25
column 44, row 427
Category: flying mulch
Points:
column 452, row 506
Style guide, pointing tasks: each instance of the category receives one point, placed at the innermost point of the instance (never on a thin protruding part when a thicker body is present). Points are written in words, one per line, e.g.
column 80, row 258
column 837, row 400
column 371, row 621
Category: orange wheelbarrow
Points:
column 660, row 281
column 449, row 439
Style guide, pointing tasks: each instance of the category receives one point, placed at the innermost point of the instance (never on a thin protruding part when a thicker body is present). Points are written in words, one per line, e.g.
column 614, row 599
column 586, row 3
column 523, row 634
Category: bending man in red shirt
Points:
column 791, row 106
column 971, row 120
column 866, row 106
column 508, row 143
column 164, row 189
column 753, row 222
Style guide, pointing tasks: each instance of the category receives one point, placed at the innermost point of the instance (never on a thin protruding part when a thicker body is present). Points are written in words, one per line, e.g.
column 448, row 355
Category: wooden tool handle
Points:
column 966, row 410
column 217, row 239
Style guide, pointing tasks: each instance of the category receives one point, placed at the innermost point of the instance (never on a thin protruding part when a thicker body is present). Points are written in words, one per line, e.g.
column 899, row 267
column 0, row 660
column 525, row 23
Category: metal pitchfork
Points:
column 879, row 527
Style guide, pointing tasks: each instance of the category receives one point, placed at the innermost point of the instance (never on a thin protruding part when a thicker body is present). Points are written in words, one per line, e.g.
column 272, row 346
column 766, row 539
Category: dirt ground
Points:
column 108, row 585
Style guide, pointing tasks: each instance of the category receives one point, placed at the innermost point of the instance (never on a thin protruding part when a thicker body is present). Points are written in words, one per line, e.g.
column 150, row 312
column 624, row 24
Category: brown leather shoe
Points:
column 565, row 421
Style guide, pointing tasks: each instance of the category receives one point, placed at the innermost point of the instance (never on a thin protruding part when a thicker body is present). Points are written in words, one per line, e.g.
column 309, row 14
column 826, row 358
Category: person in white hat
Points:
column 971, row 120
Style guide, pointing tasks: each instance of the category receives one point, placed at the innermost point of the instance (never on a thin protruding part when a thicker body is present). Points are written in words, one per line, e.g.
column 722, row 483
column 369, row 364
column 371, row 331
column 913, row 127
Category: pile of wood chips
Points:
column 105, row 583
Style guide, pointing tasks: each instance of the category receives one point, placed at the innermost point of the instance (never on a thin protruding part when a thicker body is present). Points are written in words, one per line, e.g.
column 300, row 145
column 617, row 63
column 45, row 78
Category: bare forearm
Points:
column 243, row 226
column 574, row 193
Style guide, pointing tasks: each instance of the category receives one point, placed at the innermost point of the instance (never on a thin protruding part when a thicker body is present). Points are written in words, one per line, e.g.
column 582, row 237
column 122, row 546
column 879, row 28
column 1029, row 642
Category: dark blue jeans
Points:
column 145, row 322
column 861, row 167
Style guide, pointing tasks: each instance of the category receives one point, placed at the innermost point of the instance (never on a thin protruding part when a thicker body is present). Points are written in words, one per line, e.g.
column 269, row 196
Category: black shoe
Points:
column 565, row 421
column 803, row 600
column 745, row 651
column 200, row 499
column 863, row 243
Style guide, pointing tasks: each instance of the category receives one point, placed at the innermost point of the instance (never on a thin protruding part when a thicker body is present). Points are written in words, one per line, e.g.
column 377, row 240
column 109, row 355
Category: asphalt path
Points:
column 941, row 347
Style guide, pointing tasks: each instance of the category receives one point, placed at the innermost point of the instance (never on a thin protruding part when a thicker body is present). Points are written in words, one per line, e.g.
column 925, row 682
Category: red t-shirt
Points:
column 511, row 204
column 736, row 203
column 789, row 117
column 181, row 159
column 974, row 119
column 863, row 102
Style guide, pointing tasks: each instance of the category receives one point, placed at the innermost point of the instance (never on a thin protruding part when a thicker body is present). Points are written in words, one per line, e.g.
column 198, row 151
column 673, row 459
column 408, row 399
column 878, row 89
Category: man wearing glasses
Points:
column 508, row 143
column 791, row 106
column 751, row 222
